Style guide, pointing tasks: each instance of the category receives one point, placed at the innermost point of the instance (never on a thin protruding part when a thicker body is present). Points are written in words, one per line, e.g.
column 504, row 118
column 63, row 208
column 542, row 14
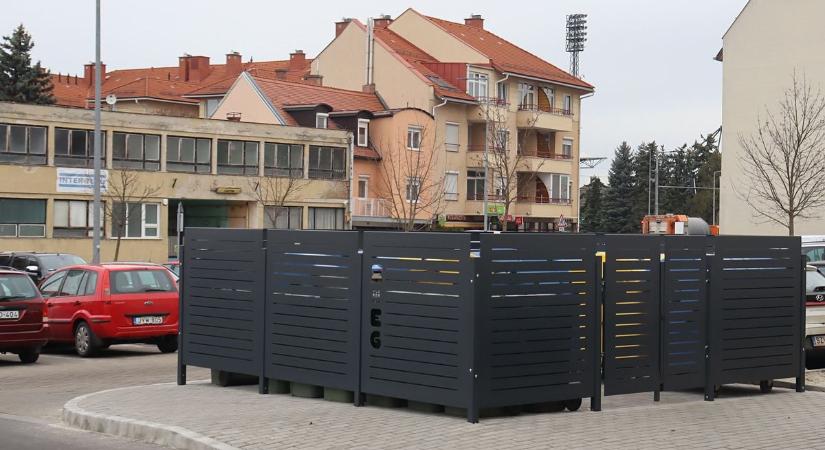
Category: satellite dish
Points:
column 111, row 99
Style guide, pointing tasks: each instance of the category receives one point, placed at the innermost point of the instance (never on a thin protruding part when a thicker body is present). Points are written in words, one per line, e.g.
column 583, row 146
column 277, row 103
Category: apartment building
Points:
column 764, row 47
column 483, row 93
column 224, row 173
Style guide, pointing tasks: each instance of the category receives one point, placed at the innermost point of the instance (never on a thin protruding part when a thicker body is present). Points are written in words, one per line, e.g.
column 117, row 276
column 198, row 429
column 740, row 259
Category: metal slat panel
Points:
column 313, row 300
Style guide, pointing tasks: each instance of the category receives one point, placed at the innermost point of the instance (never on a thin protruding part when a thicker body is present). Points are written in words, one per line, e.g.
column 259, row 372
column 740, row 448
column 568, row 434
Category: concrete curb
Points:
column 141, row 430
column 792, row 385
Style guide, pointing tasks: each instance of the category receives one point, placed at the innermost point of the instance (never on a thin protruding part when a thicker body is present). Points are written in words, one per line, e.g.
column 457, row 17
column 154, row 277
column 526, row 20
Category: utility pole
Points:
column 96, row 207
column 486, row 167
column 714, row 196
column 656, row 212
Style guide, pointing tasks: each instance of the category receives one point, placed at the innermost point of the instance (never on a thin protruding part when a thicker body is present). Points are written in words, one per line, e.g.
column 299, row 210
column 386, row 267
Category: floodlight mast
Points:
column 575, row 39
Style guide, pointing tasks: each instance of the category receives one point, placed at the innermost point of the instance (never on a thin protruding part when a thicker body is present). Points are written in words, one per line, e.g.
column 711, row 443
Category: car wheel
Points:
column 765, row 386
column 168, row 344
column 28, row 356
column 85, row 342
column 573, row 405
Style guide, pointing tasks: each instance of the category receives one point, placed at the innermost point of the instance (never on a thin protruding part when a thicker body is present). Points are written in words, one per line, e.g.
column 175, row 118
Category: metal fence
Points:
column 492, row 320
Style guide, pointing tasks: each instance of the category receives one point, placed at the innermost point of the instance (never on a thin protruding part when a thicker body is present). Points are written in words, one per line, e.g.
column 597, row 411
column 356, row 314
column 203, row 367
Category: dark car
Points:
column 38, row 265
column 22, row 316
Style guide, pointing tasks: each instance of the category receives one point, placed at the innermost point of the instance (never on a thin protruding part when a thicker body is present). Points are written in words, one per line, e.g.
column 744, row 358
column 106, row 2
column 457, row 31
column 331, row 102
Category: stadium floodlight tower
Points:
column 576, row 37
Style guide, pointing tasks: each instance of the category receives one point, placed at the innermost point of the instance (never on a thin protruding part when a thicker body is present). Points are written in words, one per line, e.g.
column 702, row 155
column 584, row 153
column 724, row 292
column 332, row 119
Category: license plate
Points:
column 819, row 341
column 13, row 314
column 148, row 320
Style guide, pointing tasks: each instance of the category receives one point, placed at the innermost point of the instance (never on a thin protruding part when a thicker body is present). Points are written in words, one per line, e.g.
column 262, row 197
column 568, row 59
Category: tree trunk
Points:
column 117, row 248
column 790, row 224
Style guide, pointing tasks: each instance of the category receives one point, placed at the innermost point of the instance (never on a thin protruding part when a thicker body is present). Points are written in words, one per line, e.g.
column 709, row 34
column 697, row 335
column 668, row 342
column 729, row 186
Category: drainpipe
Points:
column 438, row 106
column 501, row 81
column 351, row 177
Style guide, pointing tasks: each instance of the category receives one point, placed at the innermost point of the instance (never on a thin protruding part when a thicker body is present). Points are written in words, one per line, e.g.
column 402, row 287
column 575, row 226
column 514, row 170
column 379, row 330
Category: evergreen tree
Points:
column 19, row 80
column 618, row 203
column 644, row 164
column 675, row 170
column 593, row 213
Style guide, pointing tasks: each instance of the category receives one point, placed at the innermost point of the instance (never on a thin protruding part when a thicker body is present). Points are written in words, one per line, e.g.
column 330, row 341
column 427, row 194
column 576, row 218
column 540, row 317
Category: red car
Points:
column 22, row 316
column 95, row 306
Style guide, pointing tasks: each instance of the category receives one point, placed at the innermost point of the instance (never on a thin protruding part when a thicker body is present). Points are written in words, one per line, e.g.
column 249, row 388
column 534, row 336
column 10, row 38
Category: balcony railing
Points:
column 545, row 108
column 371, row 207
column 480, row 147
column 544, row 200
column 494, row 101
column 545, row 154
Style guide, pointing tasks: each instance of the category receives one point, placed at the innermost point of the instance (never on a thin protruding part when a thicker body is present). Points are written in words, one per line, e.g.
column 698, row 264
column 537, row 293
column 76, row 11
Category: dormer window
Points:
column 321, row 120
column 363, row 132
column 477, row 84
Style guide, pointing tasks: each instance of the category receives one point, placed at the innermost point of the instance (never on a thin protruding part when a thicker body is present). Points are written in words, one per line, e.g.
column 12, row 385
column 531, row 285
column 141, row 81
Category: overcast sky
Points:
column 650, row 60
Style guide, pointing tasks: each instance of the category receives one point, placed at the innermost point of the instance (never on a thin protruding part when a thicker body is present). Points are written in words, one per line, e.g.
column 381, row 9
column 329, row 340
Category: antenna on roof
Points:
column 575, row 39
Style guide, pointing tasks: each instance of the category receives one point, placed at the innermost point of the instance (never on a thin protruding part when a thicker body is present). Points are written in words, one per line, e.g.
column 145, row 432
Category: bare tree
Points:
column 510, row 169
column 125, row 194
column 412, row 179
column 274, row 192
column 784, row 160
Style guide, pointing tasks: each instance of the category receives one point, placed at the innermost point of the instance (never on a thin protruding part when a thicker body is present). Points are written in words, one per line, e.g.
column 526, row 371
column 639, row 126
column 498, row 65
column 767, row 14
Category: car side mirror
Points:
column 34, row 270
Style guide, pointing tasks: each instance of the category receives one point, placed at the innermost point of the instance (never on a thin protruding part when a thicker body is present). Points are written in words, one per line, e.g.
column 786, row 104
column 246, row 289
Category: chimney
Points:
column 193, row 68
column 368, row 88
column 280, row 73
column 316, row 80
column 233, row 116
column 475, row 21
column 297, row 60
column 89, row 73
column 339, row 26
column 234, row 66
column 382, row 21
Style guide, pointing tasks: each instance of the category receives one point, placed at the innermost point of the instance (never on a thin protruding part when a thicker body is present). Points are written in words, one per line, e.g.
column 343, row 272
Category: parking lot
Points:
column 32, row 396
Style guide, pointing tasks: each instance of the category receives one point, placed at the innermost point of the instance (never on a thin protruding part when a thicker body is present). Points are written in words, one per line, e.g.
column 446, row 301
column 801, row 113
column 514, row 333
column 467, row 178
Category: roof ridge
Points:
column 313, row 86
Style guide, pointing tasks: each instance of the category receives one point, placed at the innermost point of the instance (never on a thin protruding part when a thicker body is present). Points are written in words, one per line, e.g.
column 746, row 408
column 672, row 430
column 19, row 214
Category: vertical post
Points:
column 263, row 381
column 800, row 377
column 473, row 294
column 596, row 335
column 656, row 203
column 662, row 302
column 357, row 397
column 181, row 310
column 96, row 207
column 486, row 165
column 710, row 264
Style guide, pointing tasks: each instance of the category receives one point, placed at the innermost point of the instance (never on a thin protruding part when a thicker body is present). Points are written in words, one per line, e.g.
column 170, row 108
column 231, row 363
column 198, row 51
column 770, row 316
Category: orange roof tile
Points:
column 166, row 83
column 283, row 94
column 365, row 153
column 506, row 56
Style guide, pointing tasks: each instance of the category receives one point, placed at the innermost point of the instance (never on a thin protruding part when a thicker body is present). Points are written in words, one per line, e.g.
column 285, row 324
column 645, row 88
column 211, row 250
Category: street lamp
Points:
column 715, row 190
column 96, row 209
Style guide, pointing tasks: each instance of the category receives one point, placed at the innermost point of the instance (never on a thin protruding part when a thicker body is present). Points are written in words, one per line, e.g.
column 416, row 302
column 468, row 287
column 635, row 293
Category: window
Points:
column 321, row 120
column 187, row 154
column 52, row 285
column 502, row 140
column 143, row 280
column 451, row 140
column 72, row 284
column 136, row 151
column 568, row 104
column 89, row 285
column 551, row 97
column 283, row 160
column 76, row 148
column 284, row 217
column 363, row 132
column 501, row 186
column 212, row 105
column 22, row 218
column 567, row 148
column 451, row 186
column 413, row 191
column 327, row 162
column 326, row 218
column 475, row 184
column 237, row 157
column 136, row 220
column 21, row 144
column 477, row 84
column 363, row 186
column 73, row 218
column 503, row 93
column 527, row 96
column 559, row 188
column 414, row 138
column 17, row 285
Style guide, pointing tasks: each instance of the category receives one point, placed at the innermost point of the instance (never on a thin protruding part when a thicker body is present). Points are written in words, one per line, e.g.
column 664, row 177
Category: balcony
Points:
column 371, row 207
column 544, row 117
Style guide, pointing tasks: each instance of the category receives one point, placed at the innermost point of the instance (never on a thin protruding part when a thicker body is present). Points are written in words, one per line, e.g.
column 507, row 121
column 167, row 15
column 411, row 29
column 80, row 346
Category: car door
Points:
column 62, row 302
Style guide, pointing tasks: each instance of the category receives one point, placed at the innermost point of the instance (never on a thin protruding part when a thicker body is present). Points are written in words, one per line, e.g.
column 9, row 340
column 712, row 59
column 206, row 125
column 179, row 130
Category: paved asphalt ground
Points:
column 32, row 396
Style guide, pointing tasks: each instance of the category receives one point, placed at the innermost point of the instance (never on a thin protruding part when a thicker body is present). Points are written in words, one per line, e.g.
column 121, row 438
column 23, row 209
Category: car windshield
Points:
column 50, row 263
column 814, row 253
column 813, row 280
column 140, row 280
column 16, row 287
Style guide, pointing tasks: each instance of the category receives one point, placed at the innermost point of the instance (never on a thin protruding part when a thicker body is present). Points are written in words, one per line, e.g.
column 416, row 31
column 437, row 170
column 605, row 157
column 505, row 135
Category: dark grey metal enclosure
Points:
column 492, row 320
